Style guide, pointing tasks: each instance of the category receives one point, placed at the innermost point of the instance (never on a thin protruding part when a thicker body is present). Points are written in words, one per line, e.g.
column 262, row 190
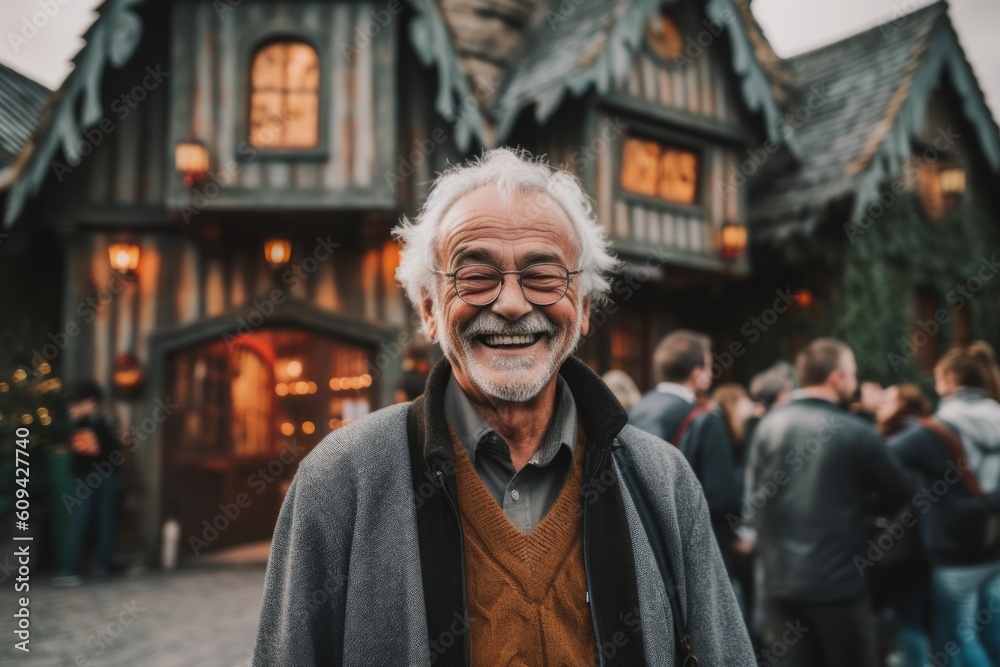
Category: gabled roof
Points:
column 569, row 48
column 21, row 102
column 875, row 87
column 488, row 34
column 111, row 40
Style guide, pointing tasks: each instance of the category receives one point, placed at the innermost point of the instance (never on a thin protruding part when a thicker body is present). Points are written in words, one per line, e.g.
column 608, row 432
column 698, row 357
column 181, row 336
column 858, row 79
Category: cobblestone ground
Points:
column 205, row 616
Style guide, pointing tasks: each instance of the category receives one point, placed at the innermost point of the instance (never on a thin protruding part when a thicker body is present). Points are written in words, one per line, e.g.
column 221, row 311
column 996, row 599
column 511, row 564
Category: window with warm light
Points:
column 940, row 187
column 284, row 96
column 653, row 169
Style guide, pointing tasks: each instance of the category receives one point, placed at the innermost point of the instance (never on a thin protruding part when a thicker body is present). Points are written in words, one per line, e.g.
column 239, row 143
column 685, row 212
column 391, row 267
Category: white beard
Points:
column 523, row 380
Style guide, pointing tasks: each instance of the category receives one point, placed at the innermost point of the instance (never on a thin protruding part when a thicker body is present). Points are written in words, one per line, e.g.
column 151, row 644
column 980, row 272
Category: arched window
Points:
column 284, row 96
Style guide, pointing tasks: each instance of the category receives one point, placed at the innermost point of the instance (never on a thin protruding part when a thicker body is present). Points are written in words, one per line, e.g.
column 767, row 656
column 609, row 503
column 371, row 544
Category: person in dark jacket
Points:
column 962, row 443
column 901, row 582
column 683, row 363
column 671, row 412
column 708, row 446
column 815, row 473
column 95, row 461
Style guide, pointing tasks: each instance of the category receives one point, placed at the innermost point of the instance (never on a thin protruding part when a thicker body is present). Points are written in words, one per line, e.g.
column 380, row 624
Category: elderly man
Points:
column 508, row 516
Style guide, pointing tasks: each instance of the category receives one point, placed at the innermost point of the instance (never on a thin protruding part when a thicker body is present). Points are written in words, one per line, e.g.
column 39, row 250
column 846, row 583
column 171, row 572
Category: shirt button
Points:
column 515, row 495
column 493, row 440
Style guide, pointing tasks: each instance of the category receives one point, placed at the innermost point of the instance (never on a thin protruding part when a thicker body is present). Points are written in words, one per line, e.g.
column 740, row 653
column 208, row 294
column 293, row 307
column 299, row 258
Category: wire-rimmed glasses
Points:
column 481, row 284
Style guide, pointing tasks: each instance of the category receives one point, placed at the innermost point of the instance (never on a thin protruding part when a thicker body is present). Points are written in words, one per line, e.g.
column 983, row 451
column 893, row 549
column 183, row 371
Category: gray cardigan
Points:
column 344, row 575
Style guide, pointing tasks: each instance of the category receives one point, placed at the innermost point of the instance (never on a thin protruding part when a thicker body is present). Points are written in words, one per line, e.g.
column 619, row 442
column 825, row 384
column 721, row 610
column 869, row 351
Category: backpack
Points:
column 976, row 523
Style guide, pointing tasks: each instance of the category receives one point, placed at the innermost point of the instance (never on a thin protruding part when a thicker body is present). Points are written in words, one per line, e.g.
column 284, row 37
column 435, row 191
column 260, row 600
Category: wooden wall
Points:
column 692, row 102
column 686, row 234
column 700, row 85
column 211, row 60
column 182, row 282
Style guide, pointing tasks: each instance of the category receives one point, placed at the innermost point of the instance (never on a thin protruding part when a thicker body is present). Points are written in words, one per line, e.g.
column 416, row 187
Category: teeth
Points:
column 496, row 339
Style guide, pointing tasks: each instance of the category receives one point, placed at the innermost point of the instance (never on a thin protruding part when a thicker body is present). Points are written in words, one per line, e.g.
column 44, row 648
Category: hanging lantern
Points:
column 952, row 180
column 734, row 240
column 277, row 251
column 124, row 257
column 191, row 161
column 803, row 298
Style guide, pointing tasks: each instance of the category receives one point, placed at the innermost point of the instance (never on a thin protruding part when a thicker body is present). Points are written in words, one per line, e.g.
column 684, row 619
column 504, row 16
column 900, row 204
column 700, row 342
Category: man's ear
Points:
column 836, row 378
column 427, row 316
column 585, row 314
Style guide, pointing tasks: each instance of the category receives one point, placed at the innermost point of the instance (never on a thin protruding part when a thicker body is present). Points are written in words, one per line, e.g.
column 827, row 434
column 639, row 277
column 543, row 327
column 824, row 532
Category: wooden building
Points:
column 888, row 218
column 222, row 178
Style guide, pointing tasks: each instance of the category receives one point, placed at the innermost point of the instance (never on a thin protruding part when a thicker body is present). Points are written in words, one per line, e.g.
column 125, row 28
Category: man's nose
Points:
column 511, row 304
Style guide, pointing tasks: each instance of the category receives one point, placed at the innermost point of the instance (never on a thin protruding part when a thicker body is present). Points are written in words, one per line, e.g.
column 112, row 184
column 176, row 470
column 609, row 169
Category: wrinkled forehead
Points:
column 529, row 226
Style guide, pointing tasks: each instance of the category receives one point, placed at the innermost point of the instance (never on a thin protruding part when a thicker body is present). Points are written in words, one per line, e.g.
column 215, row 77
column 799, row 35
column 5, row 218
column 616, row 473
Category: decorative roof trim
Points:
column 112, row 39
column 608, row 60
column 455, row 100
column 943, row 53
column 755, row 85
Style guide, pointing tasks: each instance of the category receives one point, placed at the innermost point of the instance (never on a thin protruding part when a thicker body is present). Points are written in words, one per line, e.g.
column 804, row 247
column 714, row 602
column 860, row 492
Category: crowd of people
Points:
column 858, row 526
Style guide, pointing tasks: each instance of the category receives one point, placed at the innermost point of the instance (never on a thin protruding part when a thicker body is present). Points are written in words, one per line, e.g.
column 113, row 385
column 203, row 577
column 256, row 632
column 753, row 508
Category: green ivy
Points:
column 899, row 253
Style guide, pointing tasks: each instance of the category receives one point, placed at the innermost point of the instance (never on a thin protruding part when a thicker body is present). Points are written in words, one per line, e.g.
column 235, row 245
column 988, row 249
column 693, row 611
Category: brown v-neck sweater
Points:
column 527, row 594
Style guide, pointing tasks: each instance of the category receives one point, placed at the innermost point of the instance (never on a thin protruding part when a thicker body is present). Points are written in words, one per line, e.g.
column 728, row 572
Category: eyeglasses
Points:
column 541, row 284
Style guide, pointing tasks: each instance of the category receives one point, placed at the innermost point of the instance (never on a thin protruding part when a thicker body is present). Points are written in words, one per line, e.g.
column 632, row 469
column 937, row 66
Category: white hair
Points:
column 511, row 172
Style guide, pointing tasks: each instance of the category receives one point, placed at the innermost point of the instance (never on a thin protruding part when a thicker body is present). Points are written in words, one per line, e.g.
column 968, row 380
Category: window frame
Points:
column 950, row 204
column 320, row 152
column 647, row 132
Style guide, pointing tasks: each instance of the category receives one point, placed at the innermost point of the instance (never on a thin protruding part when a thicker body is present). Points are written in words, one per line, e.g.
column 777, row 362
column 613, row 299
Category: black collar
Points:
column 602, row 415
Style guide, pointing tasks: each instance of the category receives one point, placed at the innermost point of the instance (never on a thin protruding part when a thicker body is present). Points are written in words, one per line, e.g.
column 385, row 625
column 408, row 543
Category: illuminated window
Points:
column 284, row 96
column 940, row 187
column 656, row 170
column 663, row 37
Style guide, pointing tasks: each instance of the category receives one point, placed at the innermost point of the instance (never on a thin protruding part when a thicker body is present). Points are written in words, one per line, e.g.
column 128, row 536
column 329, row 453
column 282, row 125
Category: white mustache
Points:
column 488, row 323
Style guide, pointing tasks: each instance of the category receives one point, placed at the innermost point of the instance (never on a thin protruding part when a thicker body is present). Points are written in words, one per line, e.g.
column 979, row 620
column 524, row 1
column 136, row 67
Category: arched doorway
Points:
column 251, row 406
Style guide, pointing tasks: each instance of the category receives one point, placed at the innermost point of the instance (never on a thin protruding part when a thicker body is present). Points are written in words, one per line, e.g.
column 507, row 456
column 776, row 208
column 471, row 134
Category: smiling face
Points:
column 510, row 349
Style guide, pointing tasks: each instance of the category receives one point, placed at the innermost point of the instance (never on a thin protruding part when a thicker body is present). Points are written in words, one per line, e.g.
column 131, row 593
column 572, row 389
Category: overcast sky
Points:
column 793, row 26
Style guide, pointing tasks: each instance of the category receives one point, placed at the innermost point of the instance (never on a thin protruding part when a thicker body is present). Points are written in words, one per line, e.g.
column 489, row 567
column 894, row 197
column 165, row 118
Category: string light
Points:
column 359, row 382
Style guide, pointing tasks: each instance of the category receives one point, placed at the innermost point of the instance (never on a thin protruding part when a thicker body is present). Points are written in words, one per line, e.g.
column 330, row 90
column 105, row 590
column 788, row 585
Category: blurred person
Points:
column 901, row 579
column 769, row 388
column 773, row 386
column 982, row 352
column 706, row 443
column 901, row 406
column 452, row 530
column 814, row 473
column 958, row 455
column 736, row 408
column 683, row 363
column 622, row 386
column 95, row 462
column 672, row 412
column 868, row 397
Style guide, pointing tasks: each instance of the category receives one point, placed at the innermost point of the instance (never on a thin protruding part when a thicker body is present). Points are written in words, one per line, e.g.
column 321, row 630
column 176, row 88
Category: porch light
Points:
column 952, row 180
column 124, row 257
column 277, row 251
column 191, row 161
column 734, row 240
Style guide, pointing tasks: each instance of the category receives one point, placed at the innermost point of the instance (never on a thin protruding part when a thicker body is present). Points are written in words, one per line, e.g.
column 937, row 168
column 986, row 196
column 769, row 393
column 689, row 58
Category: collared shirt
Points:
column 678, row 390
column 525, row 495
column 800, row 394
